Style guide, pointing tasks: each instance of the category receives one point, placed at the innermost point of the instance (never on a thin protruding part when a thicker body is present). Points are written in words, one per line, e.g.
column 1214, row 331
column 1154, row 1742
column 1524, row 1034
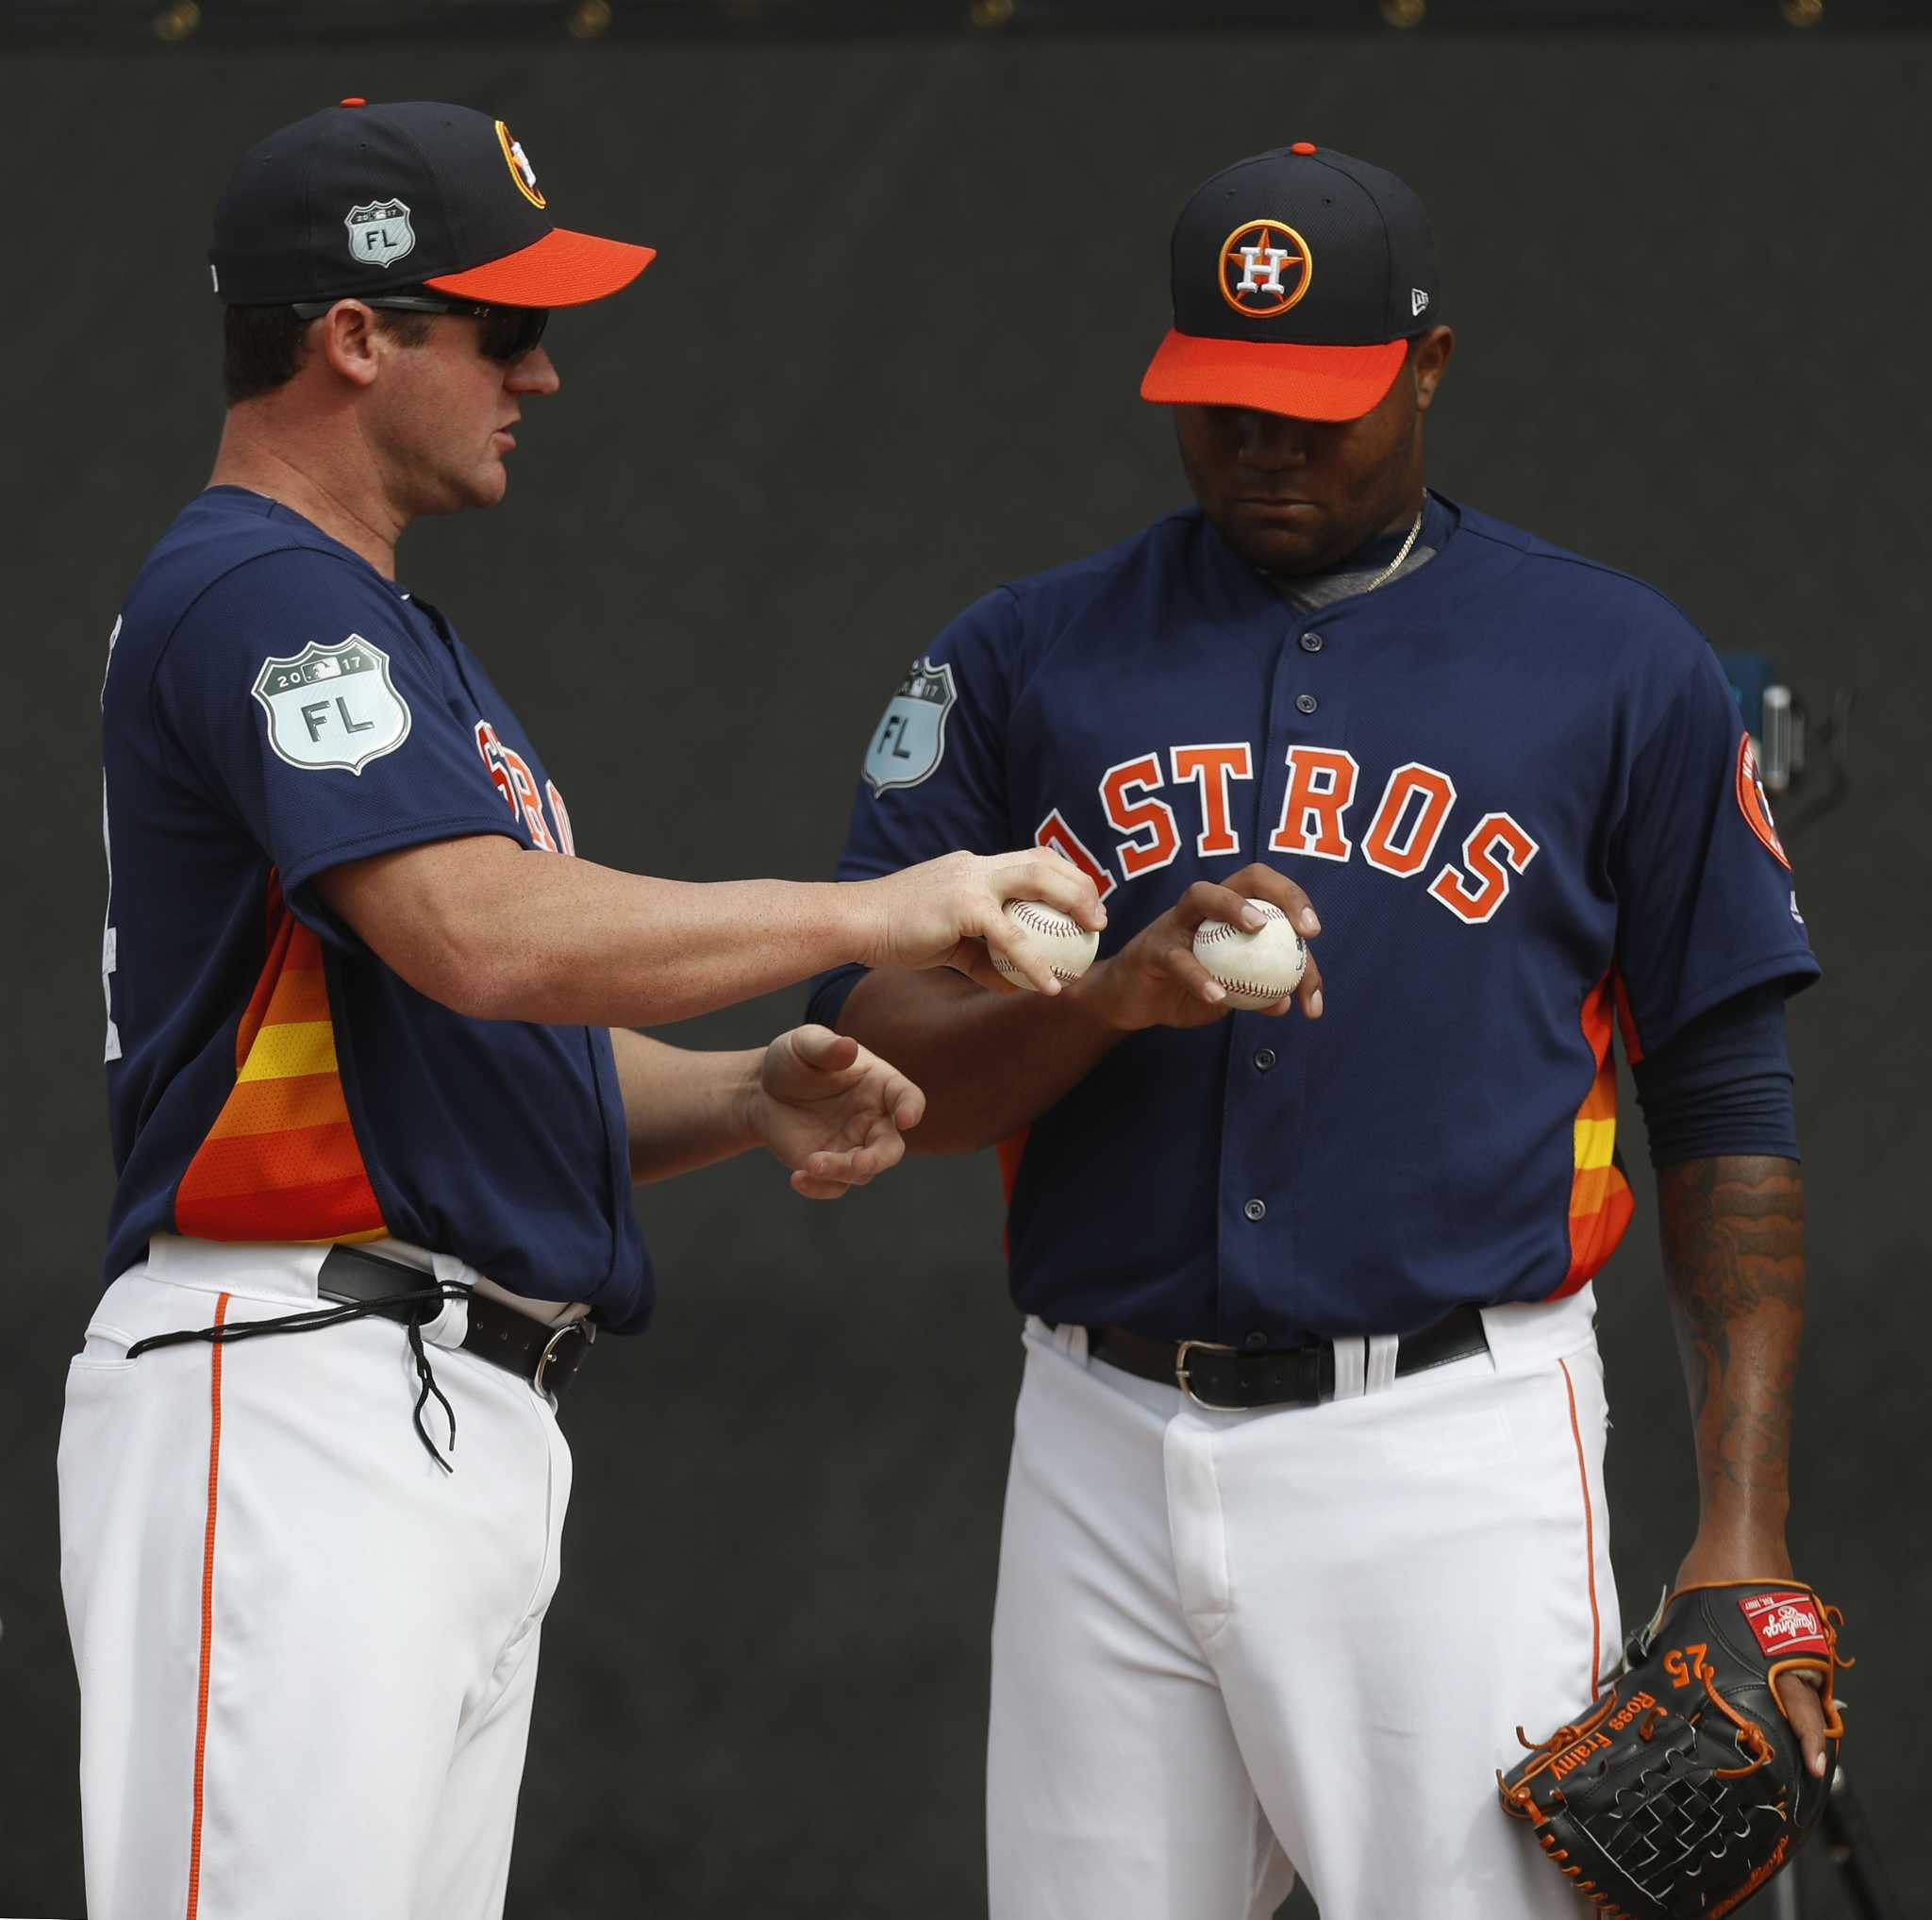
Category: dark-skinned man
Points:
column 1307, row 1475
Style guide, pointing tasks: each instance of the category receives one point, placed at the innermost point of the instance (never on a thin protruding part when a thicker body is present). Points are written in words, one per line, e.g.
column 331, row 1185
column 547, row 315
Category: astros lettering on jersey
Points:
column 1527, row 788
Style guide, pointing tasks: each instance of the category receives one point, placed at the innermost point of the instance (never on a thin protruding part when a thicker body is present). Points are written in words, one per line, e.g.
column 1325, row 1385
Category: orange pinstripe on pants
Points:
column 207, row 1606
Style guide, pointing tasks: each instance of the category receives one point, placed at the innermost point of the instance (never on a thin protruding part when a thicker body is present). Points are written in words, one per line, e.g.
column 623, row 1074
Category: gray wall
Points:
column 889, row 356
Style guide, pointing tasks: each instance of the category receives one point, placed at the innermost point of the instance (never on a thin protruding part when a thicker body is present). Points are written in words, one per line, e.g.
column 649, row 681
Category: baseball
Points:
column 1067, row 945
column 1258, row 968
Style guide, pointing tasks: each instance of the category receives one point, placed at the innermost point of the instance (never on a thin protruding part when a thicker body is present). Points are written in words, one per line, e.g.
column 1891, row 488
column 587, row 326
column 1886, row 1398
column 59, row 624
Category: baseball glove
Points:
column 1683, row 1790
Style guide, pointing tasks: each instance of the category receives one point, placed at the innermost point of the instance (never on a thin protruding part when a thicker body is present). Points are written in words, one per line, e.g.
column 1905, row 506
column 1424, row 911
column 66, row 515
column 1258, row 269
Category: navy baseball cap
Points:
column 358, row 198
column 1299, row 278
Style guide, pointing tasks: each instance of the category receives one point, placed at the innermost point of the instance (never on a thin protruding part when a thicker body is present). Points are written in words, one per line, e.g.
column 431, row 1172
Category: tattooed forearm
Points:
column 1734, row 1253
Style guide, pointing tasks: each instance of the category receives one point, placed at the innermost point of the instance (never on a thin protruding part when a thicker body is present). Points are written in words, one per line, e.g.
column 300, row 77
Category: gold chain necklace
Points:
column 1388, row 573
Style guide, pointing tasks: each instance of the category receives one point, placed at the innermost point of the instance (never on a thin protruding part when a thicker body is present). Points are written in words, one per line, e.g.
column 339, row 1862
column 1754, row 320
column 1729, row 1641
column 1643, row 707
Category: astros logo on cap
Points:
column 1265, row 268
column 521, row 171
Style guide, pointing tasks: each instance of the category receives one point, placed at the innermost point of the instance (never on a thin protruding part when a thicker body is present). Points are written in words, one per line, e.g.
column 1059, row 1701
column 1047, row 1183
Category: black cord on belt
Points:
column 429, row 1387
column 419, row 1302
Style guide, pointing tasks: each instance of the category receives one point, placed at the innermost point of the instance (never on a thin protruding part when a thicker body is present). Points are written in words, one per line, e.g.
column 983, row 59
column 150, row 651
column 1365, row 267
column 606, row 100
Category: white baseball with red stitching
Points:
column 1068, row 947
column 1258, row 968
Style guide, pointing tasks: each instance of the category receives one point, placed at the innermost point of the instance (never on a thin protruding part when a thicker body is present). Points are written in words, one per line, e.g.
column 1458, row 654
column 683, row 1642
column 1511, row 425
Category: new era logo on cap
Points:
column 1298, row 277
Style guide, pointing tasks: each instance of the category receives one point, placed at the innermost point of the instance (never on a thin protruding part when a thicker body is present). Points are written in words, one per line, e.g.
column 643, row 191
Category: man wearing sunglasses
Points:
column 375, row 1101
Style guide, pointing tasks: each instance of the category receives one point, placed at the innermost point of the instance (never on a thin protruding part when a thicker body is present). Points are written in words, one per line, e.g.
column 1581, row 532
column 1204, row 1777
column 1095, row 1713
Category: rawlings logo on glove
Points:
column 1785, row 1623
column 1683, row 1791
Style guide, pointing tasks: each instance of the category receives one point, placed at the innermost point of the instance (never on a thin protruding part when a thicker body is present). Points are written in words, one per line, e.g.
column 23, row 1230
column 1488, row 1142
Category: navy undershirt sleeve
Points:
column 1722, row 1085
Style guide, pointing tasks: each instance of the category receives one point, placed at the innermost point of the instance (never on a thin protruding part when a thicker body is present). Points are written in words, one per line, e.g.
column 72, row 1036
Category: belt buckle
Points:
column 579, row 1327
column 1180, row 1373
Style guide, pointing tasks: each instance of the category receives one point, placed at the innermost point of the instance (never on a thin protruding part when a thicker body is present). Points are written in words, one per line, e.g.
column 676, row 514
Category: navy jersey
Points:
column 272, row 708
column 1519, row 792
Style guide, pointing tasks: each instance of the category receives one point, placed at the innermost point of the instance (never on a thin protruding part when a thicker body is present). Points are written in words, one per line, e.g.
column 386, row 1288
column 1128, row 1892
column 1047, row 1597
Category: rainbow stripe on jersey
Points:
column 281, row 1162
column 1601, row 1202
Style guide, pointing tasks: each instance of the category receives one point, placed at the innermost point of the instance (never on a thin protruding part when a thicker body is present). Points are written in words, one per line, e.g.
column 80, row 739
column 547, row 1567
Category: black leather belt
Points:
column 1229, row 1379
column 544, row 1356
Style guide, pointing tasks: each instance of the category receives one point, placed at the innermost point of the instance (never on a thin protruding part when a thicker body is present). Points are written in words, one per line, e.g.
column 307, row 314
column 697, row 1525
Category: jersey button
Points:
column 1256, row 1209
column 1312, row 642
column 1306, row 703
column 1255, row 1342
column 1265, row 1058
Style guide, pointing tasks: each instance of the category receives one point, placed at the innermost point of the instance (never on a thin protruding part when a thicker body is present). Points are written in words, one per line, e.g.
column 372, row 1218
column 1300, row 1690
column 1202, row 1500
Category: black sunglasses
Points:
column 506, row 333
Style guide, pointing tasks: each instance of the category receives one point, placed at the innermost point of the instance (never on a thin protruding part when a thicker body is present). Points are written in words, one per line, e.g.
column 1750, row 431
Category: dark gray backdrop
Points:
column 888, row 357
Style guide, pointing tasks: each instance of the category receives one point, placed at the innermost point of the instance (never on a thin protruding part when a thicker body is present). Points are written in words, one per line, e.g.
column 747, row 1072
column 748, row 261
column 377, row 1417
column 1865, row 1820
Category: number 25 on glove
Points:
column 1682, row 1789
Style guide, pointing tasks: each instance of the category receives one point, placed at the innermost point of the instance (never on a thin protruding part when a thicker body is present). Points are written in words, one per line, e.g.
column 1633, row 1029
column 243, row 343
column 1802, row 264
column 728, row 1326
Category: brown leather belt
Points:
column 1230, row 1379
column 546, row 1355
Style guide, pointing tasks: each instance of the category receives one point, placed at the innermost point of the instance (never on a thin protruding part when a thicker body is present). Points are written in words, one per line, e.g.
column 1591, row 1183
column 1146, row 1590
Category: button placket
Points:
column 1312, row 642
column 1255, row 1263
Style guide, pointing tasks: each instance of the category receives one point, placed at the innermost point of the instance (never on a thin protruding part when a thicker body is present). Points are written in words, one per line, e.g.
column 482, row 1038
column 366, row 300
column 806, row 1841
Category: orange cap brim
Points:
column 1310, row 382
column 563, row 269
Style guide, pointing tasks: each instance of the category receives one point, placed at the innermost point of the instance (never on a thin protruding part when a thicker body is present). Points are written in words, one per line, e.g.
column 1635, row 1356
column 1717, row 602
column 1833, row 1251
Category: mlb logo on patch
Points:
column 379, row 232
column 911, row 736
column 332, row 706
column 1786, row 1623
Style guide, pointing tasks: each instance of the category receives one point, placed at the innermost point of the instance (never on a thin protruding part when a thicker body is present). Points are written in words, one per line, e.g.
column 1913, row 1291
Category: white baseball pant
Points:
column 1232, row 1648
column 306, row 1652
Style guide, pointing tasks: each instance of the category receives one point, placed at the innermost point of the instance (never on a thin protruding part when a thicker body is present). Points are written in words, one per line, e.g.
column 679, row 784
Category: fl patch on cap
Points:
column 1299, row 278
column 359, row 198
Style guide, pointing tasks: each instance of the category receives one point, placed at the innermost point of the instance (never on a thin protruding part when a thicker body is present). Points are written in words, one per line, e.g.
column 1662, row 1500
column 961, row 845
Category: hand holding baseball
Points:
column 952, row 912
column 1257, row 966
column 1068, row 947
column 1166, row 975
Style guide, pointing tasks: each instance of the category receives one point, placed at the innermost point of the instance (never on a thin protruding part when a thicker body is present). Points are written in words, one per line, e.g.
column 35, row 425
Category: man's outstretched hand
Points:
column 832, row 1113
